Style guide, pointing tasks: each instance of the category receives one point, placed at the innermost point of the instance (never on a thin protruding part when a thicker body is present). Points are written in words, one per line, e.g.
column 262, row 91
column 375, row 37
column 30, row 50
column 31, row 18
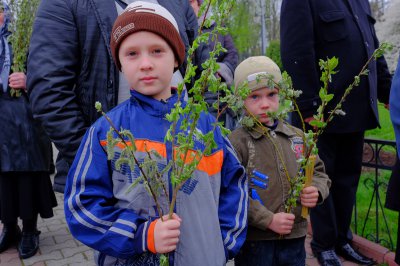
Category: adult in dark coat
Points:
column 25, row 154
column 70, row 67
column 393, row 190
column 312, row 30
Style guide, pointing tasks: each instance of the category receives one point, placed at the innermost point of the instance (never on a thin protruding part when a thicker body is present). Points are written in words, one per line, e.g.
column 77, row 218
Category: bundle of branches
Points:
column 23, row 14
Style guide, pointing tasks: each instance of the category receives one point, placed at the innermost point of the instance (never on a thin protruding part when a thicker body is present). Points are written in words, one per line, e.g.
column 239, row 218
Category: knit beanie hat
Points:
column 144, row 16
column 252, row 67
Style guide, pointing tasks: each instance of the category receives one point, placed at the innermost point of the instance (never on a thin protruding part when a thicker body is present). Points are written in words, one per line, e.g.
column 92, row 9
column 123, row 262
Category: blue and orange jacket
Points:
column 102, row 214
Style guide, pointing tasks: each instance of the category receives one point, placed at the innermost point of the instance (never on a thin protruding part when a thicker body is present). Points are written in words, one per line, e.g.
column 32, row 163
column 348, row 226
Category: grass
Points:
column 386, row 131
column 364, row 195
column 365, row 192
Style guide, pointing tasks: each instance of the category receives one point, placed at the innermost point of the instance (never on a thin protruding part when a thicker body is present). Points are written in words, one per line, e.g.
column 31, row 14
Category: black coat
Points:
column 70, row 66
column 317, row 29
column 393, row 189
column 24, row 146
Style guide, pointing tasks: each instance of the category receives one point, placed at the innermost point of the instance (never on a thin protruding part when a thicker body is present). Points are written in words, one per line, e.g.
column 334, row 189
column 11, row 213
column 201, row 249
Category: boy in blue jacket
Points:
column 123, row 226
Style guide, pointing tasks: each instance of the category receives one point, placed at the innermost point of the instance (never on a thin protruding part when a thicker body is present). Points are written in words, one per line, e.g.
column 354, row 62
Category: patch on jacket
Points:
column 297, row 146
column 189, row 186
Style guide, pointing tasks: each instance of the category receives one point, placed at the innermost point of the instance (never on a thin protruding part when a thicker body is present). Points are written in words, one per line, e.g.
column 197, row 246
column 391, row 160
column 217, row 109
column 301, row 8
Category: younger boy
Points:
column 272, row 148
column 123, row 226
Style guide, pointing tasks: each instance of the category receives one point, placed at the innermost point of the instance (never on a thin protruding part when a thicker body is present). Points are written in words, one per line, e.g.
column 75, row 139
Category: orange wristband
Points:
column 150, row 237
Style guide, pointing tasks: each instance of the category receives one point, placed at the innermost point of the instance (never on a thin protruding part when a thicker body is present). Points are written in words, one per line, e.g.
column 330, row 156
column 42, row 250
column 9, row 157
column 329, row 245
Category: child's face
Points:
column 148, row 63
column 261, row 101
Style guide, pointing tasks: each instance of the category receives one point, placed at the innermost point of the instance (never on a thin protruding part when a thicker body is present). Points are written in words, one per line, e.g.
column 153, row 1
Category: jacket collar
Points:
column 155, row 107
column 282, row 128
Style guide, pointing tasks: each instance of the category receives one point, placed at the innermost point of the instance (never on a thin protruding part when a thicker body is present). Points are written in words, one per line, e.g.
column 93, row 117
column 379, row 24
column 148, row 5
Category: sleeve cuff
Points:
column 259, row 216
column 150, row 237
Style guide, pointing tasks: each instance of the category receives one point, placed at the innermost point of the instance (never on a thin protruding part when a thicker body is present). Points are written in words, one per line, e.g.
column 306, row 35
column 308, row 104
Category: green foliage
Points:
column 386, row 131
column 23, row 14
column 242, row 28
column 274, row 52
column 364, row 193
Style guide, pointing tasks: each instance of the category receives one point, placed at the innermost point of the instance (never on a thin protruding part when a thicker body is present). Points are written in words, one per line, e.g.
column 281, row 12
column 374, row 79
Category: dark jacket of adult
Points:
column 70, row 66
column 227, row 60
column 24, row 146
column 312, row 30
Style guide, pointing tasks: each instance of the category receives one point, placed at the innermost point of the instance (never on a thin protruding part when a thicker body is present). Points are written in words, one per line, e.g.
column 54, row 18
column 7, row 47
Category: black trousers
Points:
column 342, row 155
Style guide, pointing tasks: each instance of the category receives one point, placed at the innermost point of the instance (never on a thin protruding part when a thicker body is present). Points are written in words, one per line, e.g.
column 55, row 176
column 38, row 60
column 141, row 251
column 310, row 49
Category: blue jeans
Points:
column 288, row 252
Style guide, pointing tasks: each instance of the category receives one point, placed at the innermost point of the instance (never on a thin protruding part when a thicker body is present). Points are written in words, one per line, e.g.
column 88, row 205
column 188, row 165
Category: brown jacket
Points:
column 257, row 152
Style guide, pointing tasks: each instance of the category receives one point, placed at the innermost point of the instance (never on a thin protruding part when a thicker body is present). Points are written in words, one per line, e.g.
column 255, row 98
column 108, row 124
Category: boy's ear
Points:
column 176, row 64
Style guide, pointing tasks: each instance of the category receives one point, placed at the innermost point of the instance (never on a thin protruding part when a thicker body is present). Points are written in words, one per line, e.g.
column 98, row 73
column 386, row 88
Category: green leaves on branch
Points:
column 23, row 14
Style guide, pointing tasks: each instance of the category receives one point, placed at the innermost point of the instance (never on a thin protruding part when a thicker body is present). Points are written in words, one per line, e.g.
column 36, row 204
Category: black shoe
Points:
column 9, row 236
column 29, row 244
column 327, row 258
column 348, row 253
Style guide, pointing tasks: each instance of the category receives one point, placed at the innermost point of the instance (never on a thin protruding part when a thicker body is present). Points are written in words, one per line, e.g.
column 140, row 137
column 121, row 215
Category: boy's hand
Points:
column 309, row 196
column 282, row 223
column 166, row 233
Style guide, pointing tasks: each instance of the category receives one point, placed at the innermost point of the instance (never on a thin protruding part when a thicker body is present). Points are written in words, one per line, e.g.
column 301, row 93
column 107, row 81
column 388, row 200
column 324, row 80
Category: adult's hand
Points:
column 17, row 81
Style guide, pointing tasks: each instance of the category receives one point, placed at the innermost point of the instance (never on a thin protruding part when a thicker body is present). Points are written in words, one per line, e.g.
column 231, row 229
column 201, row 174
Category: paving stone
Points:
column 60, row 238
column 72, row 251
column 46, row 241
column 89, row 255
column 43, row 257
column 57, row 227
column 40, row 263
column 15, row 262
column 77, row 258
column 69, row 244
column 10, row 257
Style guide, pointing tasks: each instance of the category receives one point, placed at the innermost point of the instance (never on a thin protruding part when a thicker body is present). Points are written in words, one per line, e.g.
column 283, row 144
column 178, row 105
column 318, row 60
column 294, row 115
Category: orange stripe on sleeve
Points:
column 151, row 245
column 143, row 146
column 212, row 164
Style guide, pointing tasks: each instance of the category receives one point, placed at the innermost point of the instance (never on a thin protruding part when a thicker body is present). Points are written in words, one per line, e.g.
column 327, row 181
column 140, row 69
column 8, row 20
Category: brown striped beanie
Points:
column 145, row 16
